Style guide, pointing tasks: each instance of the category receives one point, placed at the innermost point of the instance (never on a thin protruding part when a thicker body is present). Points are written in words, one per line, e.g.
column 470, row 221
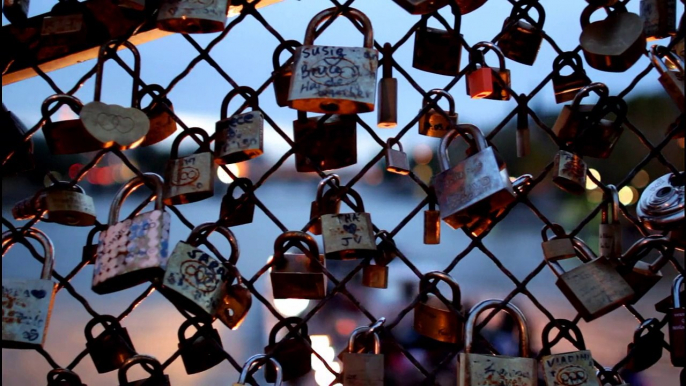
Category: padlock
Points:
column 135, row 250
column 480, row 369
column 661, row 207
column 475, row 187
column 363, row 369
column 327, row 202
column 324, row 142
column 112, row 347
column 17, row 153
column 467, row 6
column 646, row 349
column 421, row 7
column 567, row 86
column 59, row 135
column 237, row 211
column 569, row 172
column 396, row 160
column 159, row 112
column 189, row 178
column 328, row 79
column 240, row 137
column 612, row 44
column 16, row 11
column 292, row 352
column 70, row 24
column 113, row 125
column 387, row 113
column 192, row 16
column 297, row 276
column 594, row 288
column 434, row 123
column 575, row 117
column 90, row 250
column 63, row 204
column 574, row 368
column 671, row 68
column 677, row 324
column 203, row 350
column 193, row 278
column 349, row 236
column 234, row 299
column 432, row 222
column 640, row 275
column 258, row 359
column 27, row 303
column 521, row 36
column 438, row 51
column 598, row 136
column 282, row 74
column 147, row 363
column 609, row 377
column 558, row 248
column 610, row 229
column 482, row 80
column 659, row 18
column 432, row 317
column 63, row 377
column 376, row 275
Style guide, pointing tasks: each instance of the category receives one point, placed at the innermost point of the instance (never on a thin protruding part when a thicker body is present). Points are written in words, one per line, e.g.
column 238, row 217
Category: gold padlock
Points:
column 484, row 81
column 432, row 317
column 159, row 112
column 376, row 275
column 642, row 276
column 297, row 276
column 363, row 368
column 434, row 123
column 396, row 160
column 572, row 118
column 240, row 137
column 432, row 222
column 324, row 142
column 60, row 135
column 567, row 86
column 189, row 178
column 521, row 37
column 569, row 172
column 438, row 51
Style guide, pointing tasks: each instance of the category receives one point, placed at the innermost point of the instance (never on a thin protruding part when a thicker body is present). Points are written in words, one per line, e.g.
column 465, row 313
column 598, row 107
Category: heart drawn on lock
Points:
column 38, row 294
column 114, row 125
column 350, row 228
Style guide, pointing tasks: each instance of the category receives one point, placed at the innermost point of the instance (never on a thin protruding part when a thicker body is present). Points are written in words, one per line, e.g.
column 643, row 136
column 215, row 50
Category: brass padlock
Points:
column 376, row 275
column 435, row 319
column 324, row 142
column 571, row 368
column 329, row 79
column 432, row 222
column 237, row 211
column 677, row 324
column 363, row 369
column 387, row 113
column 112, row 347
column 642, row 276
column 189, row 178
column 240, row 137
column 135, row 250
column 610, row 229
column 28, row 303
column 434, row 123
column 160, row 113
column 558, row 248
column 192, row 16
column 659, row 18
column 646, row 348
column 438, row 51
column 282, row 74
column 661, row 207
column 16, row 11
column 348, row 236
column 421, row 7
column 574, row 118
column 234, row 299
column 327, row 202
column 63, row 204
column 484, row 82
column 612, row 44
column 567, row 86
column 17, row 153
column 396, row 160
column 90, row 250
column 258, row 359
column 480, row 369
column 476, row 186
column 297, row 276
column 609, row 377
column 59, row 135
column 521, row 36
column 671, row 68
column 63, row 377
column 292, row 352
column 569, row 172
column 150, row 365
column 203, row 350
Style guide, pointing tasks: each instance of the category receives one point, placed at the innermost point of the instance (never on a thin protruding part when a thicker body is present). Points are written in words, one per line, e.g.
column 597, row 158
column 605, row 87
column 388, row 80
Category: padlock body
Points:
column 331, row 145
column 480, row 83
column 673, row 83
column 661, row 207
column 520, row 42
column 239, row 138
column 60, row 135
column 615, row 43
column 569, row 172
column 569, row 369
column 236, row 211
column 203, row 353
column 677, row 336
column 421, row 7
column 233, row 303
column 190, row 16
column 26, row 308
column 499, row 92
column 297, row 277
column 387, row 116
column 437, row 51
column 647, row 351
column 110, row 349
column 432, row 227
column 328, row 79
column 610, row 240
column 189, row 179
column 433, row 319
column 569, row 121
column 567, row 86
column 375, row 276
column 294, row 357
column 659, row 18
column 348, row 236
column 282, row 82
column 396, row 162
column 162, row 124
column 558, row 249
column 62, row 31
column 67, row 207
column 478, row 370
column 435, row 124
column 363, row 369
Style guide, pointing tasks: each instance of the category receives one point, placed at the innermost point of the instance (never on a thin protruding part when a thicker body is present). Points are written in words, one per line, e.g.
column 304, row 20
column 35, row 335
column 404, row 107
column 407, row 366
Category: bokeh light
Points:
column 594, row 196
column 641, row 179
column 422, row 154
column 374, row 176
column 224, row 176
column 590, row 185
column 424, row 173
column 627, row 194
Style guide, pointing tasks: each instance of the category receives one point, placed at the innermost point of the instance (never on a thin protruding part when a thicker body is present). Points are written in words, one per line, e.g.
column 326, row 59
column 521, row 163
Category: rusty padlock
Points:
column 677, row 324
column 237, row 211
column 521, row 36
column 610, row 229
column 376, row 275
column 234, row 299
column 360, row 368
column 297, row 276
column 567, row 86
column 240, row 137
column 162, row 123
column 387, row 113
column 258, row 359
column 434, row 123
column 569, row 172
column 150, row 365
column 421, row 7
column 671, row 68
column 112, row 347
column 661, row 207
column 203, row 350
column 59, row 135
column 349, row 236
column 192, row 16
column 17, row 153
column 646, row 348
column 396, row 160
column 438, row 51
column 574, row 368
column 63, row 204
column 292, row 352
column 63, row 377
column 324, row 142
column 189, row 178
column 659, row 18
column 432, row 317
column 282, row 74
column 432, row 221
column 327, row 202
column 484, row 82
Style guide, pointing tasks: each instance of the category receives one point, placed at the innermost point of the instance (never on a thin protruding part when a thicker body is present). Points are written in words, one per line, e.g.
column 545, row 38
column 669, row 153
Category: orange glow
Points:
column 345, row 327
column 74, row 170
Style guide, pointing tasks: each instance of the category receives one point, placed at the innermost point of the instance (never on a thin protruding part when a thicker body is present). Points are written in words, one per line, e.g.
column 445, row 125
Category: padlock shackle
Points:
column 244, row 182
column 443, row 93
column 195, row 238
column 48, row 248
column 393, row 141
column 444, row 277
column 63, row 375
column 590, row 9
column 100, row 64
column 676, row 288
column 154, row 367
column 204, row 146
column 280, row 49
column 152, row 89
column 511, row 309
column 323, row 183
column 255, row 360
column 91, row 234
column 284, row 238
column 647, row 325
column 293, row 321
column 612, row 204
column 351, row 13
column 597, row 87
column 359, row 331
column 614, row 378
column 641, row 247
column 359, row 204
column 205, row 327
column 519, row 12
column 489, row 46
column 557, row 230
column 127, row 189
column 109, row 323
column 62, row 99
column 561, row 323
column 460, row 129
column 658, row 52
column 252, row 99
column 583, row 251
column 568, row 58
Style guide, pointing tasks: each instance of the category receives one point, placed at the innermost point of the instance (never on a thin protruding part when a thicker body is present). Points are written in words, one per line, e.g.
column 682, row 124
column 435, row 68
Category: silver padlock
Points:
column 661, row 207
column 363, row 369
column 610, row 230
column 671, row 68
column 258, row 359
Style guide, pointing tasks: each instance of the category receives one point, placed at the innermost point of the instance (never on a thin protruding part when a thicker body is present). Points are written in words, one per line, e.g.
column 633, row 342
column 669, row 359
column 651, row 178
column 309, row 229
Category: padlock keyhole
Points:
column 664, row 192
column 330, row 107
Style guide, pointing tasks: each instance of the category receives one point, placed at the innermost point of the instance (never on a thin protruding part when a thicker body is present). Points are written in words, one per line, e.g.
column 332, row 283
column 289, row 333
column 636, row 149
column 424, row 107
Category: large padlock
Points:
column 240, row 137
column 27, row 303
column 387, row 112
column 292, row 352
column 326, row 202
column 434, row 123
column 258, row 360
column 376, row 275
column 661, row 207
column 396, row 160
column 16, row 152
column 642, row 276
column 569, row 171
column 59, row 135
column 324, row 142
column 328, row 79
column 297, row 276
column 63, row 377
column 659, row 18
column 363, row 369
column 476, row 186
column 480, row 369
column 671, row 68
column 567, row 86
column 234, row 300
column 610, row 229
column 575, row 368
column 62, row 202
column 160, row 113
column 612, row 44
column 484, row 81
column 677, row 324
column 349, row 236
column 203, row 350
column 432, row 222
column 192, row 16
column 112, row 347
column 237, row 211
column 421, row 7
column 646, row 348
column 151, row 365
column 521, row 36
column 282, row 74
column 135, row 250
column 189, row 178
column 435, row 319
column 609, row 377
column 438, row 51
column 16, row 11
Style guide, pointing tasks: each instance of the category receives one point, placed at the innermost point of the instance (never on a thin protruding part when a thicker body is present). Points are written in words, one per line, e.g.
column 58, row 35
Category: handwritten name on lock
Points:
column 569, row 369
column 24, row 303
column 244, row 131
column 493, row 372
column 349, row 229
column 194, row 273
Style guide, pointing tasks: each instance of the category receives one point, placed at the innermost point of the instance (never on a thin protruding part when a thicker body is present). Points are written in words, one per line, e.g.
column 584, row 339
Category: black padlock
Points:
column 438, row 51
column 293, row 354
column 237, row 211
column 112, row 347
column 90, row 250
column 63, row 377
column 567, row 86
column 646, row 349
column 203, row 350
column 151, row 365
column 522, row 36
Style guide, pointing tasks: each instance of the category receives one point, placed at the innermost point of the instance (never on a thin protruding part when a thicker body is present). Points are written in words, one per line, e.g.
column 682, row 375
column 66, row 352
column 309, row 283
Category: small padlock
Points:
column 27, row 303
column 432, row 317
column 282, row 74
column 387, row 116
column 521, row 36
column 59, row 135
column 240, row 137
column 558, row 248
column 574, row 368
column 192, row 16
column 363, row 369
column 432, row 222
column 327, row 202
column 149, row 364
column 480, row 369
column 646, row 349
column 434, row 123
column 610, row 230
column 189, row 178
column 421, row 7
column 16, row 11
column 659, row 18
column 292, row 352
column 234, row 300
column 671, row 68
column 237, row 211
column 349, row 236
column 376, row 275
column 63, row 377
column 569, row 172
column 297, row 276
column 160, row 113
column 575, row 117
column 661, row 207
column 328, row 79
column 567, row 86
column 63, row 204
column 609, row 377
column 324, row 142
column 17, row 153
column 482, row 80
column 396, row 160
column 90, row 250
column 203, row 350
column 112, row 347
column 677, row 324
column 258, row 359
column 438, row 51
column 640, row 275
